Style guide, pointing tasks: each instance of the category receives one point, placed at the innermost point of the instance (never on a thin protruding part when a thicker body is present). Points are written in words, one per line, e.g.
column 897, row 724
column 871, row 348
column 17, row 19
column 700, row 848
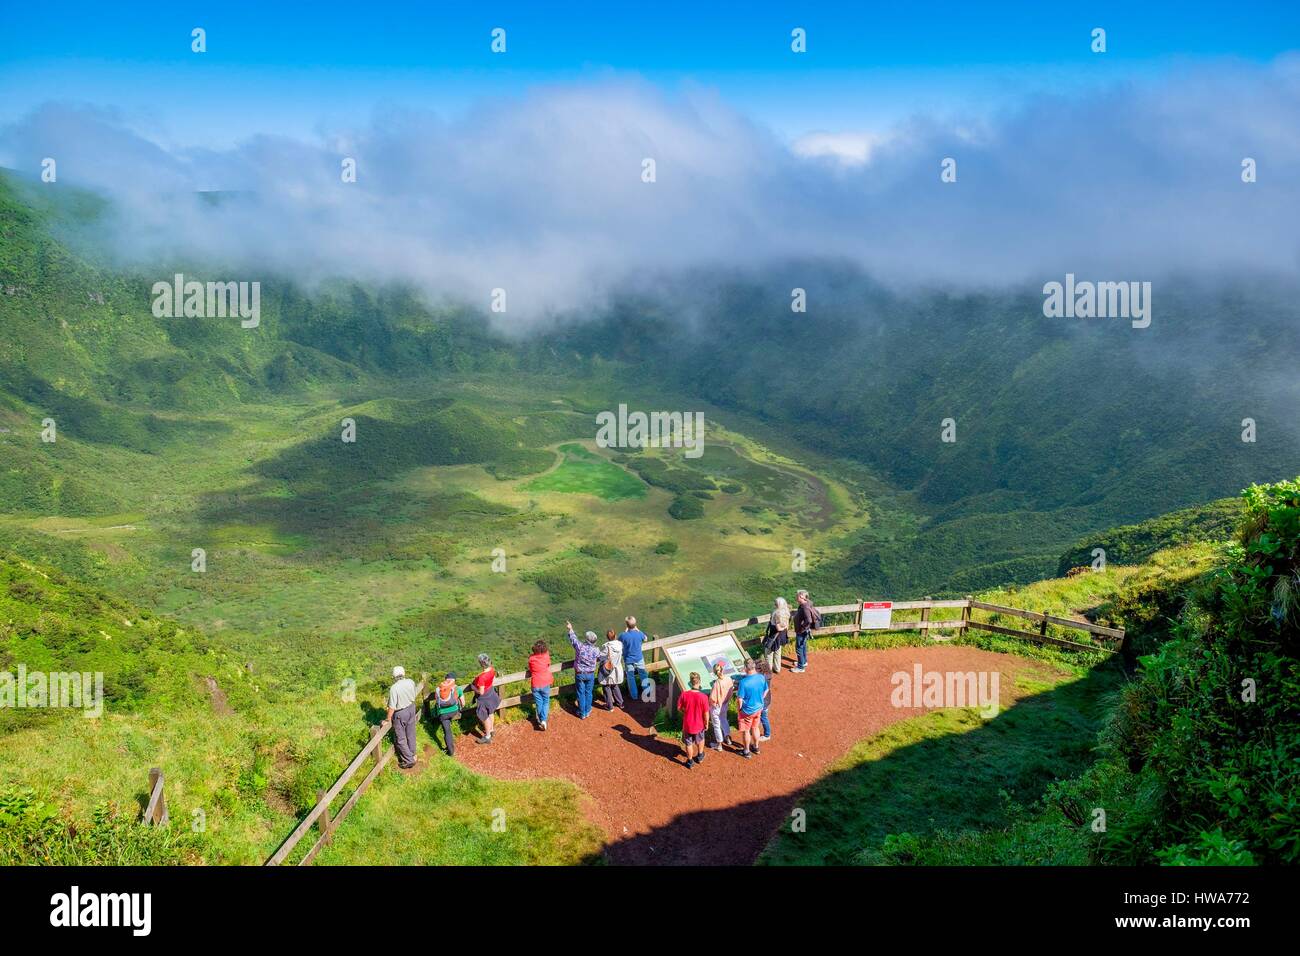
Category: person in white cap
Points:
column 403, row 713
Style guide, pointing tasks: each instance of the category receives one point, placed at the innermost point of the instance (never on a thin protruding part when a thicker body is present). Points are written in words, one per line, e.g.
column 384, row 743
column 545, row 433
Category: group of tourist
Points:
column 610, row 664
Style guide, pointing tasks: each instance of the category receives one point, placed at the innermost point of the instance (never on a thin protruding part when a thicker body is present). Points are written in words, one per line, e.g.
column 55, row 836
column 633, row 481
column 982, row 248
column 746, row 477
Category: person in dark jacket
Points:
column 806, row 620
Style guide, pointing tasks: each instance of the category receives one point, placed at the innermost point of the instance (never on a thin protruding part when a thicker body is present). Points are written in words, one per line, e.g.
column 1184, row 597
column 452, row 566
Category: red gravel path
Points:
column 723, row 811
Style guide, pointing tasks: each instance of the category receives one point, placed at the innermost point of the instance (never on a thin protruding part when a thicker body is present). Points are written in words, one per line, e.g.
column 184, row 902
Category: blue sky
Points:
column 289, row 67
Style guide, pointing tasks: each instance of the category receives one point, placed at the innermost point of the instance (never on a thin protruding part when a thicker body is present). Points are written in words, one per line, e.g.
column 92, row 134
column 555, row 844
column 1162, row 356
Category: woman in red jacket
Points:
column 487, row 699
column 539, row 673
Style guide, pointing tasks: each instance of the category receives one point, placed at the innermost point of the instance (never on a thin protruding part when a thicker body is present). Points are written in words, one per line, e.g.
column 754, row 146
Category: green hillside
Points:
column 1183, row 763
column 236, row 526
column 1061, row 429
column 245, row 749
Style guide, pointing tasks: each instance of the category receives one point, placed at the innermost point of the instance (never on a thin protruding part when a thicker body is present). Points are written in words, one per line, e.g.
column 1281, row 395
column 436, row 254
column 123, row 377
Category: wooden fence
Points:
column 656, row 660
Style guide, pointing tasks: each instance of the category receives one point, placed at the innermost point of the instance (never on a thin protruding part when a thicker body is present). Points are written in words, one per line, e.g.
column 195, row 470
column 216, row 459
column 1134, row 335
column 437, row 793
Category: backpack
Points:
column 814, row 616
column 448, row 705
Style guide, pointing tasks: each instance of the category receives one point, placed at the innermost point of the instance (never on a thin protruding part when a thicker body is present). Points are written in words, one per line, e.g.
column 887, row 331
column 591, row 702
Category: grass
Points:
column 585, row 473
column 311, row 582
column 946, row 771
column 951, row 788
column 449, row 816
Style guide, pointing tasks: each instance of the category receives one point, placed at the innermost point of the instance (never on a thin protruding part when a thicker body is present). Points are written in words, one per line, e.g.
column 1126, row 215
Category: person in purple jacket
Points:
column 585, row 657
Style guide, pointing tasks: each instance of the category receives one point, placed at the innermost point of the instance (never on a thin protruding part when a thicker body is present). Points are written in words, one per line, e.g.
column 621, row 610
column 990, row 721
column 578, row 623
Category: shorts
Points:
column 693, row 740
column 749, row 721
column 488, row 704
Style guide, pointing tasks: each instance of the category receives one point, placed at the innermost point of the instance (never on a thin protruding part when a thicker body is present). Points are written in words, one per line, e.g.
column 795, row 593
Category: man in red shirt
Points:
column 694, row 705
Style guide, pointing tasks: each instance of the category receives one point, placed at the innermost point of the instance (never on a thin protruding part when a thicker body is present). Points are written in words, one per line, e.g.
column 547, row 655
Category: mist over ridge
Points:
column 542, row 195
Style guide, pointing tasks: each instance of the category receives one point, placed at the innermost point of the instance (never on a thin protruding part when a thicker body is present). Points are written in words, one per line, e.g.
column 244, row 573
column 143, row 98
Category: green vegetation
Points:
column 584, row 472
column 568, row 580
column 34, row 833
column 1058, row 433
column 468, row 516
column 50, row 623
column 1211, row 732
column 1197, row 756
column 1132, row 544
column 661, row 474
column 947, row 770
column 447, row 815
column 685, row 508
column 601, row 551
column 244, row 750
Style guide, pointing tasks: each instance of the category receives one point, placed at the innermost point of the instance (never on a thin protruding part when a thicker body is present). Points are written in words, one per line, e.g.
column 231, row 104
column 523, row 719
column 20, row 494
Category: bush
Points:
column 33, row 831
column 686, row 509
column 666, row 547
column 568, row 580
column 1211, row 725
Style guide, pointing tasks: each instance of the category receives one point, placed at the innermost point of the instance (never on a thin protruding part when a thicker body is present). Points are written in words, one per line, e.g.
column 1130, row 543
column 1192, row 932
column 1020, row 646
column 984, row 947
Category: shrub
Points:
column 568, row 580
column 33, row 831
column 1211, row 724
column 686, row 509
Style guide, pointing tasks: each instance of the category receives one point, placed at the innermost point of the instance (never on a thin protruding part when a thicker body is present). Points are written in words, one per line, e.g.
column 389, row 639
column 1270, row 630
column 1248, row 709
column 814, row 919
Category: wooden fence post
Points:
column 155, row 813
column 925, row 618
column 1042, row 625
column 965, row 617
column 323, row 822
column 377, row 753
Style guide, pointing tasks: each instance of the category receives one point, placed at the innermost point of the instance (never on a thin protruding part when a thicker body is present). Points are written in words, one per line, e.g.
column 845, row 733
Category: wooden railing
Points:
column 320, row 812
column 656, row 660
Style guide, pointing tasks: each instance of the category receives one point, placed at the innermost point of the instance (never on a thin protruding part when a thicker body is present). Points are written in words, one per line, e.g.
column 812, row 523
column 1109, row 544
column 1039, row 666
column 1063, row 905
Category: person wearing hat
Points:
column 446, row 703
column 402, row 713
column 585, row 657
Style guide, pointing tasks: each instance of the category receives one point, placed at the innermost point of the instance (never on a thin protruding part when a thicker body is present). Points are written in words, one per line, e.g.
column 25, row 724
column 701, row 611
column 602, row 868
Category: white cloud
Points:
column 853, row 148
column 542, row 194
